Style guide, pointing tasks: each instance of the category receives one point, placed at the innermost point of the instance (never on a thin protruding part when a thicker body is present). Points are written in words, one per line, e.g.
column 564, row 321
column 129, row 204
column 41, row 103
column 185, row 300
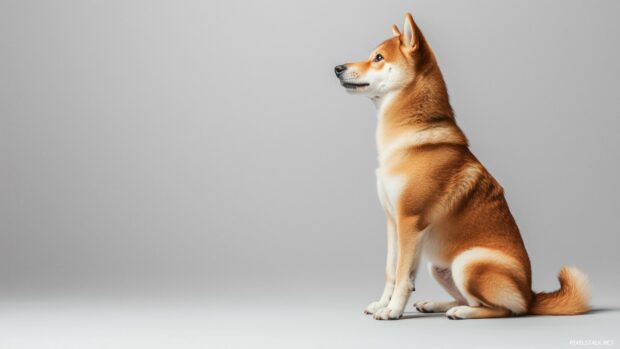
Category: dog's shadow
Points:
column 416, row 315
column 601, row 310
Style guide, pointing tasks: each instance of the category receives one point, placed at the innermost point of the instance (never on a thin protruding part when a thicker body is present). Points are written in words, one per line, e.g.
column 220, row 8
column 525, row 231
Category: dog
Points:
column 440, row 201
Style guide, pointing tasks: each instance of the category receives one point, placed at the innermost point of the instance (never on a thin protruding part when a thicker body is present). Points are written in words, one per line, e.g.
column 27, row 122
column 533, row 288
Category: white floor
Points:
column 257, row 323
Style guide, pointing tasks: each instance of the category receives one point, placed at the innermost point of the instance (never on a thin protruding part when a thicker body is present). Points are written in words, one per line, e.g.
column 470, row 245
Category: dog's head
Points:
column 390, row 67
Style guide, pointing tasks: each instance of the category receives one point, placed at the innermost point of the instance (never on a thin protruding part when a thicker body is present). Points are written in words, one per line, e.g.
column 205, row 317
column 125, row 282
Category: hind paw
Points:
column 459, row 312
column 433, row 306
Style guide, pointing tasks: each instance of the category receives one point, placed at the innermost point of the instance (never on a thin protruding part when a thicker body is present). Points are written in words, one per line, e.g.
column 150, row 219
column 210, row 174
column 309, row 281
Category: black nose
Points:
column 339, row 69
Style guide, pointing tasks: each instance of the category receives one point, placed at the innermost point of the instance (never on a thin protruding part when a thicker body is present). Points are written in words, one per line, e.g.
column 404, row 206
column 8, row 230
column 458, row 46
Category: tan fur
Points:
column 572, row 297
column 450, row 207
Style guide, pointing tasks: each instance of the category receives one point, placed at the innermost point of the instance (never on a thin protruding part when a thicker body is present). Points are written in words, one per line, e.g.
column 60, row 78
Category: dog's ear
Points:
column 395, row 30
column 410, row 33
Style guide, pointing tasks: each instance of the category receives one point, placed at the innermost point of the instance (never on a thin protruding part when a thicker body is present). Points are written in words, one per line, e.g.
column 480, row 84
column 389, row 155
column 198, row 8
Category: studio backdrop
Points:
column 206, row 148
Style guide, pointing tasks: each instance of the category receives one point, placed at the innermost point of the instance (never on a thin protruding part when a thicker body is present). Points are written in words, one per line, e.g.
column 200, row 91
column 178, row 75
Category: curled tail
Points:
column 572, row 298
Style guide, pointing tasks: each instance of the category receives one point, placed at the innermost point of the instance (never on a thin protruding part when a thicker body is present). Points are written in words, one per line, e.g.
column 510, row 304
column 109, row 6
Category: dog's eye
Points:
column 378, row 58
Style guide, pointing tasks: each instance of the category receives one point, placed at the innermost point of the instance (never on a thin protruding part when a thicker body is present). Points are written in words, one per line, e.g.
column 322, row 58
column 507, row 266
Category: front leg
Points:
column 390, row 270
column 409, row 248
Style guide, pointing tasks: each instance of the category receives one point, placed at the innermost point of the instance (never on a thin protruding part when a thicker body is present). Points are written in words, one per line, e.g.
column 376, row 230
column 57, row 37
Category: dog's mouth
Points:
column 353, row 85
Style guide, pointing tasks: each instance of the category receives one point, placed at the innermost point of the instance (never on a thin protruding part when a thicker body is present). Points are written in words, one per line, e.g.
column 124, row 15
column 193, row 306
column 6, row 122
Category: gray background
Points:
column 204, row 152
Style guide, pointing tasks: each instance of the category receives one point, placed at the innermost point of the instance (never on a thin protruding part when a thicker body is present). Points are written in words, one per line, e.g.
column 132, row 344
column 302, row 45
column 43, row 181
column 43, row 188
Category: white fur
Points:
column 388, row 313
column 433, row 248
column 443, row 276
column 434, row 306
column 403, row 288
column 392, row 252
column 408, row 33
column 389, row 188
column 580, row 282
column 390, row 271
column 380, row 82
column 460, row 312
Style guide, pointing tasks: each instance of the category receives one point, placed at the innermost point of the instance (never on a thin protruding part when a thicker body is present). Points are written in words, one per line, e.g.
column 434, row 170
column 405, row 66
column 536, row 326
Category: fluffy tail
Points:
column 572, row 298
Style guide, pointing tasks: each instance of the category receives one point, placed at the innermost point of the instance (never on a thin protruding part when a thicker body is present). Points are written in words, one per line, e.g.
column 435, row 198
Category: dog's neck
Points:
column 420, row 106
column 424, row 100
column 383, row 102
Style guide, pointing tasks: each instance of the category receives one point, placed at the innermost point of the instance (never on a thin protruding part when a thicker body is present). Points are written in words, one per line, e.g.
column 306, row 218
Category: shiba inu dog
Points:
column 440, row 201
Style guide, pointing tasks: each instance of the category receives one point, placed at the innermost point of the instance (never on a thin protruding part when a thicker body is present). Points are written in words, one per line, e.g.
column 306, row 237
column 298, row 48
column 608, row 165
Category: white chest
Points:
column 389, row 188
column 434, row 248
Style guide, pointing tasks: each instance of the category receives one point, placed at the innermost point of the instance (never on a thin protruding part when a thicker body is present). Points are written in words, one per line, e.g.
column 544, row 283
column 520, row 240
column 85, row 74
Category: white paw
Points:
column 459, row 312
column 374, row 307
column 388, row 313
column 424, row 306
column 433, row 306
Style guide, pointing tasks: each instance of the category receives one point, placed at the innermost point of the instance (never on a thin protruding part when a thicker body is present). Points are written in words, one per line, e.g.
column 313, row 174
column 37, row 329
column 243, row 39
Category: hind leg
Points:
column 444, row 278
column 492, row 283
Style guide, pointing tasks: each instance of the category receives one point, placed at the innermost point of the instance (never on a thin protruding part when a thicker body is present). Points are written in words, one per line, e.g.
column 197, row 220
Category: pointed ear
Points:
column 395, row 30
column 410, row 39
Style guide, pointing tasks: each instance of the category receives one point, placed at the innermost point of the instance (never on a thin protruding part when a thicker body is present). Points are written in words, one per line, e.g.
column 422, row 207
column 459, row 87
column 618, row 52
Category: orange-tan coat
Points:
column 440, row 201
